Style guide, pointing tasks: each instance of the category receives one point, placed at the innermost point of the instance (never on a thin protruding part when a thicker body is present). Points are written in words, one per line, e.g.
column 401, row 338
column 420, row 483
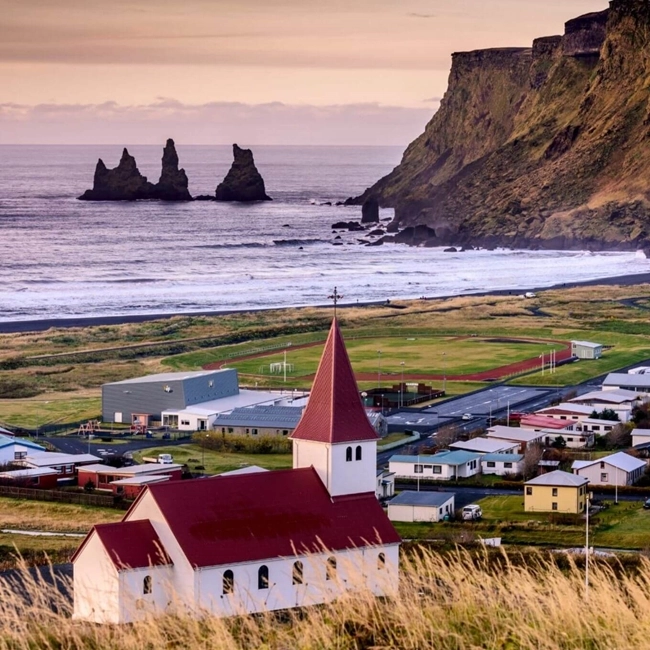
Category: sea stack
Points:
column 123, row 183
column 173, row 184
column 243, row 182
column 370, row 211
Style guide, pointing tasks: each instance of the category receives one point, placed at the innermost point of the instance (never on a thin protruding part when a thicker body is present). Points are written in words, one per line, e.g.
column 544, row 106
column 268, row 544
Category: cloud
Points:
column 417, row 15
column 432, row 100
column 210, row 123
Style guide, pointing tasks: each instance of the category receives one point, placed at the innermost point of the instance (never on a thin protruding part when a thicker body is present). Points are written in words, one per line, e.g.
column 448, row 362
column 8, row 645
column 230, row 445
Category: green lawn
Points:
column 37, row 411
column 215, row 462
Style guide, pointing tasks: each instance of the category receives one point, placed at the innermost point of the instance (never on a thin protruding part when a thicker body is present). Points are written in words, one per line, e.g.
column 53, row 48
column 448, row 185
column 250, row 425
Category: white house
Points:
column 586, row 350
column 501, row 464
column 597, row 426
column 443, row 466
column 522, row 437
column 635, row 382
column 485, row 446
column 617, row 469
column 572, row 439
column 620, row 401
column 537, row 422
column 421, row 506
column 385, row 487
column 257, row 541
column 640, row 436
column 567, row 411
column 12, row 449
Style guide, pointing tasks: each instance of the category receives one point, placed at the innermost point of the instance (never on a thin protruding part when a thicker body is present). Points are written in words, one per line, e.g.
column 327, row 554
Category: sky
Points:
column 255, row 71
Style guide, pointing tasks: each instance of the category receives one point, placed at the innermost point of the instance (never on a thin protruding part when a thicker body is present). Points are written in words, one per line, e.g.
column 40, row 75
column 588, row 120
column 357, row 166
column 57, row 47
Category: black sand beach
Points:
column 14, row 327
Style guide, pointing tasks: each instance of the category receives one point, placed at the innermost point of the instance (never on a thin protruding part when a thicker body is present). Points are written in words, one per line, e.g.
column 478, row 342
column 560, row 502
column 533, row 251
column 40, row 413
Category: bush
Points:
column 233, row 443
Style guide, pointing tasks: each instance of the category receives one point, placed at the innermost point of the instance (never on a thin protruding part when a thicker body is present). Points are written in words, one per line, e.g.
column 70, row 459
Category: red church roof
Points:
column 334, row 412
column 253, row 517
column 130, row 544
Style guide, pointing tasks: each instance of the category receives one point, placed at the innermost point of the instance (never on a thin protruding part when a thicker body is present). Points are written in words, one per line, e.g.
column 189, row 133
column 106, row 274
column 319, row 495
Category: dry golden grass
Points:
column 445, row 602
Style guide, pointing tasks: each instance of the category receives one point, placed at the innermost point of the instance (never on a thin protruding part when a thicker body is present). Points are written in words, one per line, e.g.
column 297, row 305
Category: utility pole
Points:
column 401, row 386
column 587, row 549
column 378, row 368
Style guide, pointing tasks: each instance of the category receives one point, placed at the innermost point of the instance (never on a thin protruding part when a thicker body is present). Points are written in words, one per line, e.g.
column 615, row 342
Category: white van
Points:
column 472, row 512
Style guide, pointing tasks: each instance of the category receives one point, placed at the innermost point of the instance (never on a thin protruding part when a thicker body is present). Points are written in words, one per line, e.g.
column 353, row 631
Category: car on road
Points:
column 466, row 416
column 472, row 512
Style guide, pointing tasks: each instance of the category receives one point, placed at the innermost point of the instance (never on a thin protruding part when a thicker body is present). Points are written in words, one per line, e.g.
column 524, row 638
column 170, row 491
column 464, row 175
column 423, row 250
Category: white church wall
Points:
column 136, row 603
column 353, row 476
column 96, row 585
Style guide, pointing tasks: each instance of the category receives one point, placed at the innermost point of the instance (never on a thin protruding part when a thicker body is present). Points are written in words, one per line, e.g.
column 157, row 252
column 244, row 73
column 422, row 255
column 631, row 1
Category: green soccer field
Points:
column 420, row 356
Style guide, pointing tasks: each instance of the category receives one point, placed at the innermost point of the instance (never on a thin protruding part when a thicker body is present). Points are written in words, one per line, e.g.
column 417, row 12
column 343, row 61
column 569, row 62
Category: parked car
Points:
column 471, row 512
column 646, row 504
column 466, row 416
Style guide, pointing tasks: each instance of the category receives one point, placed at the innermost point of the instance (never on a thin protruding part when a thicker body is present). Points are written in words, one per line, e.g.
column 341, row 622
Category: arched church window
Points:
column 228, row 582
column 348, row 455
column 357, row 453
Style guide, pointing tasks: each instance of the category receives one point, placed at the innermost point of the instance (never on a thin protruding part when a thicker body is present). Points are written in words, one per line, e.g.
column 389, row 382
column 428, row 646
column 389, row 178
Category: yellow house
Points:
column 556, row 492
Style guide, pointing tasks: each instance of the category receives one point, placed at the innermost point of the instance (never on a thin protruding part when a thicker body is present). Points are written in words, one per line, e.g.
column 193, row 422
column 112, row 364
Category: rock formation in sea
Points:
column 243, row 182
column 173, row 183
column 370, row 211
column 537, row 147
column 123, row 183
column 126, row 183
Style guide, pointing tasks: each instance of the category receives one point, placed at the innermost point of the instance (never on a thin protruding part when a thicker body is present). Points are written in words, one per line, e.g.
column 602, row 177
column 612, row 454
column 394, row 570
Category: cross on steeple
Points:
column 335, row 297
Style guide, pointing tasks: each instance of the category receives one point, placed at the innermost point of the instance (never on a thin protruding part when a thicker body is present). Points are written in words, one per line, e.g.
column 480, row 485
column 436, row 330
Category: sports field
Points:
column 416, row 357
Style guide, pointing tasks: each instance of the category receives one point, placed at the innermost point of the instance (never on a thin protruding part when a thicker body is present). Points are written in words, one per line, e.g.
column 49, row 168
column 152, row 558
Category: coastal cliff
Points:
column 545, row 146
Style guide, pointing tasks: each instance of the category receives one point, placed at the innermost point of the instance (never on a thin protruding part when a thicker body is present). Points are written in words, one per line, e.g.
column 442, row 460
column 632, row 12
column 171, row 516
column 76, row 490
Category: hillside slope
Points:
column 548, row 146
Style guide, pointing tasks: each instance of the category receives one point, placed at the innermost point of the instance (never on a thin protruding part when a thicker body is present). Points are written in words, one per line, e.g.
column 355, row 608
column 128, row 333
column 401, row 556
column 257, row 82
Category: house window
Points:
column 507, row 465
column 285, row 432
column 147, row 586
column 231, row 430
column 19, row 455
column 330, row 569
column 418, row 469
column 223, row 429
column 254, row 432
column 604, row 477
column 248, row 430
column 357, row 453
column 491, row 463
column 381, row 562
column 554, row 494
column 263, row 577
column 529, row 491
column 348, row 455
column 554, row 505
column 297, row 574
column 185, row 423
column 228, row 582
column 596, row 427
column 436, row 469
column 569, row 439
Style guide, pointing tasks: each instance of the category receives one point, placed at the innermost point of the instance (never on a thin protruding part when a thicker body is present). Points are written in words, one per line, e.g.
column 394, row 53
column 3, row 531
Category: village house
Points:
column 535, row 422
column 571, row 439
column 556, row 491
column 421, row 506
column 501, row 464
column 482, row 445
column 620, row 401
column 66, row 465
column 616, row 469
column 12, row 448
column 521, row 436
column 636, row 383
column 640, row 437
column 443, row 466
column 385, row 488
column 567, row 411
column 259, row 541
column 130, row 480
column 43, row 478
column 259, row 420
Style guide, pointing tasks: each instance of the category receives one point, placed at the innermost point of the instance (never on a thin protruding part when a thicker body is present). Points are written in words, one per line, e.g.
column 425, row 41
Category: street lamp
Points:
column 444, row 372
column 378, row 368
column 401, row 386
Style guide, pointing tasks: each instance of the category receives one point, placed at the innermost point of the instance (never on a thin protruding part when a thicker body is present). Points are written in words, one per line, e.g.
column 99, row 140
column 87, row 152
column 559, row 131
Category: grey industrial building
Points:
column 127, row 400
column 627, row 381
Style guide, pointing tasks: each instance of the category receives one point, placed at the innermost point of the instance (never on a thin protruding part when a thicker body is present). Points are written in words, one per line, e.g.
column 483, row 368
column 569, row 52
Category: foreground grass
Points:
column 20, row 514
column 448, row 602
column 215, row 462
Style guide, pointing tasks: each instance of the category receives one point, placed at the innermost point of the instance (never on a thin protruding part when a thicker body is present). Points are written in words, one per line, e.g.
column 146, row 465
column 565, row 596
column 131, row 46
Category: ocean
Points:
column 62, row 258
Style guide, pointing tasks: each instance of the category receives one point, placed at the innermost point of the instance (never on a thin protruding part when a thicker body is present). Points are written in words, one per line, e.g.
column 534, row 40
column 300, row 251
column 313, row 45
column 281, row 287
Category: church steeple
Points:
column 334, row 434
column 334, row 413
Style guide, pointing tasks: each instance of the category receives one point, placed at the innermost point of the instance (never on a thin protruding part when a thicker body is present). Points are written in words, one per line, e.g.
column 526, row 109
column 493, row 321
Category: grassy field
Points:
column 622, row 526
column 215, row 462
column 59, row 407
column 450, row 601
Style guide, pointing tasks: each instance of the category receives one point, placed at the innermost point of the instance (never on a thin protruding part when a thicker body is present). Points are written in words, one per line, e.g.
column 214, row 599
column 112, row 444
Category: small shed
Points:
column 586, row 350
column 421, row 506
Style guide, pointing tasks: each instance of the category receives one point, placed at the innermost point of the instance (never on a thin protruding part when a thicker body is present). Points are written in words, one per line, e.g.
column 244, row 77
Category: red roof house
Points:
column 254, row 542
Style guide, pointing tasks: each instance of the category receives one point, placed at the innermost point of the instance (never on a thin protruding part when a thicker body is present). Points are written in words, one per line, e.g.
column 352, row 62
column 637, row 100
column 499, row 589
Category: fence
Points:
column 59, row 496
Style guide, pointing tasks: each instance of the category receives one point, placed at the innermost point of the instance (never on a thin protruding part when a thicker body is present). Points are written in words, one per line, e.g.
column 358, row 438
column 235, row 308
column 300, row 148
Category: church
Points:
column 254, row 542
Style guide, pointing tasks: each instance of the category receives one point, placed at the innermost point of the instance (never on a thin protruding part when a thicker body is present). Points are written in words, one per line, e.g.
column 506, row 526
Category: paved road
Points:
column 79, row 445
